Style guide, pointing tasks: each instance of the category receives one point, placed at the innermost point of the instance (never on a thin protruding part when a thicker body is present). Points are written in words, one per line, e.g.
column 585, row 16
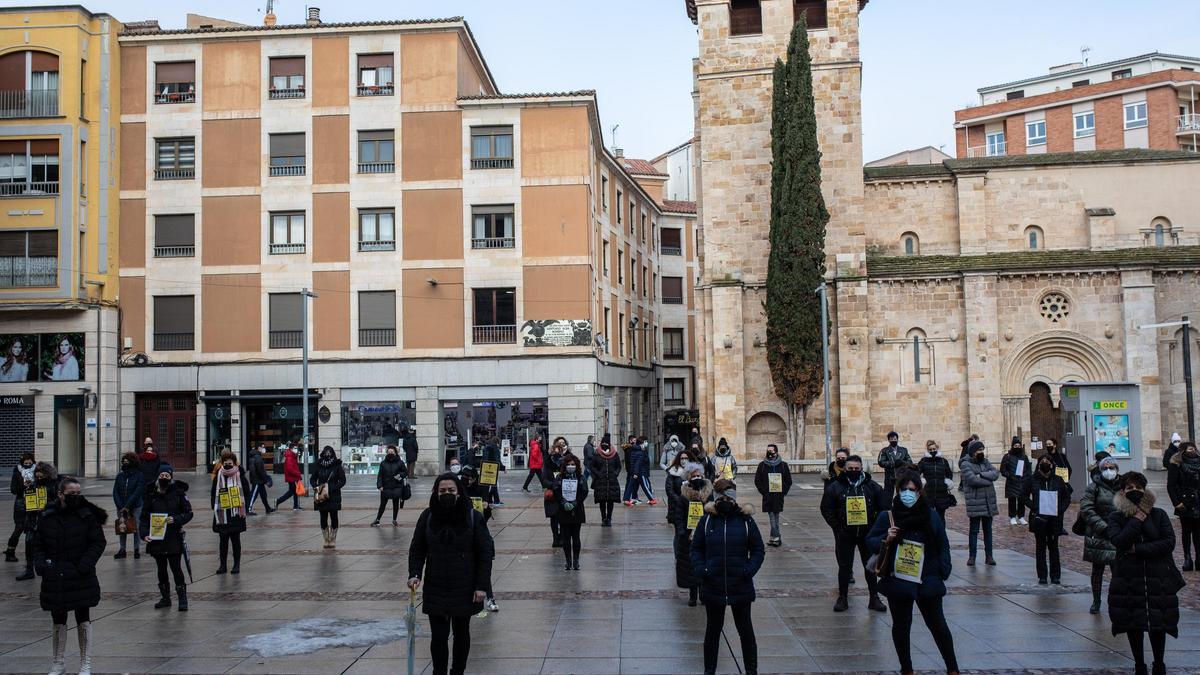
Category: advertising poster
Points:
column 557, row 333
column 62, row 357
column 1110, row 433
column 18, row 358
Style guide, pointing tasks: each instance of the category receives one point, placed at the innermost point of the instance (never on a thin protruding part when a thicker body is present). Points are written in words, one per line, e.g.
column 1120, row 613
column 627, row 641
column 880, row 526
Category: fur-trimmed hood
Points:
column 711, row 509
column 1129, row 508
column 701, row 495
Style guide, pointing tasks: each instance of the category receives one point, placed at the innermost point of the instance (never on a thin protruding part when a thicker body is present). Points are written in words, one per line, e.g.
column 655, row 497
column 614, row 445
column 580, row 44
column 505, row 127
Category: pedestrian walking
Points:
column 915, row 567
column 606, row 481
column 1047, row 497
column 938, row 475
column 570, row 491
column 32, row 503
column 129, row 489
column 1094, row 509
column 637, row 469
column 291, row 475
column 551, row 472
column 451, row 553
column 724, row 463
column 892, row 457
column 1171, row 449
column 589, row 452
column 849, row 506
column 260, row 480
column 1183, row 486
column 22, row 478
column 66, row 548
column 979, row 479
column 166, row 508
column 1015, row 467
column 773, row 480
column 695, row 492
column 535, row 462
column 727, row 551
column 411, row 451
column 328, row 477
column 228, row 498
column 836, row 467
column 392, row 483
column 1143, row 596
column 477, row 494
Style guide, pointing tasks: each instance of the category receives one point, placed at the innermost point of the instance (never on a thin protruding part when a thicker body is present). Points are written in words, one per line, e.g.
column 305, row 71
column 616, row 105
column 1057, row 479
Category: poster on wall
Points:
column 557, row 333
column 1110, row 433
column 19, row 355
column 49, row 357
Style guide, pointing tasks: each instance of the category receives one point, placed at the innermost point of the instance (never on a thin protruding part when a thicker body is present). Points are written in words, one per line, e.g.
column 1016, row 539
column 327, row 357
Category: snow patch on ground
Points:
column 310, row 635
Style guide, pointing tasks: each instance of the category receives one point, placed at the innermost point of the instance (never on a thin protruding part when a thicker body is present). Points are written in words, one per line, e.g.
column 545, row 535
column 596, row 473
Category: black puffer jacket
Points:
column 685, row 574
column 333, row 475
column 66, row 547
column 935, row 471
column 833, row 504
column 1143, row 595
column 235, row 524
column 1183, row 484
column 172, row 501
column 391, row 477
column 606, row 477
column 676, row 504
column 256, row 469
column 452, row 553
column 551, row 474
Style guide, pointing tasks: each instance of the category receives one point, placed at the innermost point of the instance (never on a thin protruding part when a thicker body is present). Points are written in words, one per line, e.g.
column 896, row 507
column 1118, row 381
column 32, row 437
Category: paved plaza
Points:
column 343, row 612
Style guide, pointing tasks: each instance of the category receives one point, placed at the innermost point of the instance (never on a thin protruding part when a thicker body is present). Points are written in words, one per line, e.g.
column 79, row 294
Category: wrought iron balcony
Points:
column 492, row 163
column 175, row 97
column 370, row 246
column 286, row 249
column 288, row 170
column 16, row 103
column 29, row 189
column 175, row 174
column 494, row 242
column 376, row 90
column 377, row 167
column 494, row 335
column 174, row 342
column 376, row 337
column 175, row 252
column 672, row 300
column 286, row 339
column 672, row 250
column 276, row 94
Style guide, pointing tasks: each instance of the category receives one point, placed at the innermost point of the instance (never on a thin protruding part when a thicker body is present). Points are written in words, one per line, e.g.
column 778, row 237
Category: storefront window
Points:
column 220, row 431
column 276, row 423
column 513, row 422
column 369, row 427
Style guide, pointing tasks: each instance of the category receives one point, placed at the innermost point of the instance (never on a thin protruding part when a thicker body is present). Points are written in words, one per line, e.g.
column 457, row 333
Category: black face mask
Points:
column 726, row 508
column 1134, row 496
column 73, row 501
column 771, row 455
column 228, row 466
column 1051, row 449
column 893, row 443
column 1045, row 468
column 164, row 482
column 853, row 476
column 696, row 484
column 447, row 500
column 979, row 457
column 125, row 465
column 841, row 462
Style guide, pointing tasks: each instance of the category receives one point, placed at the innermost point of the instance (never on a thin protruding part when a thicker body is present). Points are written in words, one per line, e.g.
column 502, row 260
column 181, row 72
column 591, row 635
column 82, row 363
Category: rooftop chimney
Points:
column 269, row 19
column 314, row 16
column 619, row 153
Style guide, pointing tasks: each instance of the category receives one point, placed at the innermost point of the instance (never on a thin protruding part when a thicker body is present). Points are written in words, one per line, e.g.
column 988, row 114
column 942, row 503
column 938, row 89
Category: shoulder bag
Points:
column 877, row 563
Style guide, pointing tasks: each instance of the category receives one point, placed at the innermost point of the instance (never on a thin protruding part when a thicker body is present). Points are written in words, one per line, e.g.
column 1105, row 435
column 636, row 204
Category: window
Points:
column 814, row 12
column 604, row 193
column 673, row 391
column 916, row 340
column 604, row 257
column 29, row 168
column 491, row 147
column 495, row 316
column 654, row 286
column 174, row 323
column 1163, row 233
column 287, row 233
column 618, row 207
column 1034, row 237
column 175, row 236
column 620, row 330
column 287, row 154
column 643, row 281
column 377, row 151
column 175, row 158
column 996, row 146
column 912, row 244
column 377, row 319
column 286, row 330
column 376, row 230
column 643, row 230
column 29, row 80
column 633, row 275
column 83, row 167
column 620, row 267
column 607, row 323
column 1135, row 115
column 375, row 75
column 1014, row 95
column 493, row 227
column 1085, row 124
column 175, row 82
column 1123, row 74
column 1035, row 133
column 1080, row 83
column 632, row 217
column 1160, row 238
column 745, row 17
column 673, row 343
column 287, row 77
column 28, row 258
column 672, row 290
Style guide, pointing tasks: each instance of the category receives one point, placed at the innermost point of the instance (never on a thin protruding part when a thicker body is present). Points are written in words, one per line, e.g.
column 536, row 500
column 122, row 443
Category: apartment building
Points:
column 58, row 231
column 1147, row 101
column 481, row 264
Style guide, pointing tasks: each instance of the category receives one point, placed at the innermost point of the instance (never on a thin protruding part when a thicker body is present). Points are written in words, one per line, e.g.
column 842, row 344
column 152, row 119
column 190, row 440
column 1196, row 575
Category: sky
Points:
column 922, row 59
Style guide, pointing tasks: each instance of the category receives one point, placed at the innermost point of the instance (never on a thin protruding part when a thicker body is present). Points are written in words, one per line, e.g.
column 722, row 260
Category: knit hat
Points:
column 166, row 468
column 1175, row 437
column 974, row 447
column 691, row 467
column 1016, row 440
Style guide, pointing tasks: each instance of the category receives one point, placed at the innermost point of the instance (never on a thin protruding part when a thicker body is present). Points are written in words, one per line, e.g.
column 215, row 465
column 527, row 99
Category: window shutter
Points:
column 12, row 244
column 374, row 60
column 43, row 243
column 174, row 73
column 287, row 145
column 174, row 314
column 44, row 146
column 43, row 63
column 377, row 310
column 379, row 135
column 175, row 230
column 287, row 66
column 285, row 311
column 670, row 237
column 672, row 287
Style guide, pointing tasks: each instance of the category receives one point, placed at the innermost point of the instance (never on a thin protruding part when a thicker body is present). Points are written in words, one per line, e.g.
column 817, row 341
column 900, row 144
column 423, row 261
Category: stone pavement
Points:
column 342, row 612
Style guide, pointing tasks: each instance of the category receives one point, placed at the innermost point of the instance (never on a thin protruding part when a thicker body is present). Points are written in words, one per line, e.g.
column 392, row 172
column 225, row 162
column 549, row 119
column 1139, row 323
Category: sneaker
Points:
column 628, row 503
column 1012, row 521
column 841, row 605
column 653, row 502
column 375, row 524
column 491, row 605
column 1022, row 521
column 297, row 508
column 637, row 502
column 497, row 503
column 251, row 513
column 526, row 491
column 395, row 524
column 271, row 510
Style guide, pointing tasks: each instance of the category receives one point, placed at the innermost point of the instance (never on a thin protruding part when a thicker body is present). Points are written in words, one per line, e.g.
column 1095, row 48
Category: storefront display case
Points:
column 368, row 427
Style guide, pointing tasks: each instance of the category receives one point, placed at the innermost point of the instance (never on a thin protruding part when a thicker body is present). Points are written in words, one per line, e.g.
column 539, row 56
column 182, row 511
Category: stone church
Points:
column 963, row 294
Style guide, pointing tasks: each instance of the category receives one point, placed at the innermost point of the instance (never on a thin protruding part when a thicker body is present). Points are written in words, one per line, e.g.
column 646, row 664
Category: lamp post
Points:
column 305, row 294
column 822, row 290
column 1187, row 369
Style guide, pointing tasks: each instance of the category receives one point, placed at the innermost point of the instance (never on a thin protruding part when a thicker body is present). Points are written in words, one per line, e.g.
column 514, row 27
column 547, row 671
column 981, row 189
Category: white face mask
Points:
column 1109, row 474
column 455, row 468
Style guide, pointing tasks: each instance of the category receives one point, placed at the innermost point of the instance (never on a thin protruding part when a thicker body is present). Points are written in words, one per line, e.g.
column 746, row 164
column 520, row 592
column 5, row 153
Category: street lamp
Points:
column 1187, row 368
column 305, row 294
column 822, row 290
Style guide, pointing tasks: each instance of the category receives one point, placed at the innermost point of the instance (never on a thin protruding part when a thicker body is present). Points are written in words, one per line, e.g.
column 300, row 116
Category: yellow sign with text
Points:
column 158, row 526
column 1063, row 473
column 910, row 561
column 695, row 511
column 775, row 482
column 856, row 510
column 487, row 475
column 1110, row 405
column 477, row 502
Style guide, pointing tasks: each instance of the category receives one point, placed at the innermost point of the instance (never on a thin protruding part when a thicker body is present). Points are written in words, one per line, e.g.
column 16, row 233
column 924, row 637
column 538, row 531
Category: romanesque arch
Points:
column 1047, row 358
column 762, row 429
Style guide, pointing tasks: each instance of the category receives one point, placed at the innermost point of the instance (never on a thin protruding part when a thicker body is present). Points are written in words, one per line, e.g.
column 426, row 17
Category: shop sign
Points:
column 1110, row 405
column 557, row 333
column 16, row 401
column 380, row 409
column 684, row 418
column 1072, row 392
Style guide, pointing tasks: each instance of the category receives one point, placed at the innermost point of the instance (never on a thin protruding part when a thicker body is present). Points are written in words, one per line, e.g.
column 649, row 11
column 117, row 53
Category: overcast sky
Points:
column 922, row 59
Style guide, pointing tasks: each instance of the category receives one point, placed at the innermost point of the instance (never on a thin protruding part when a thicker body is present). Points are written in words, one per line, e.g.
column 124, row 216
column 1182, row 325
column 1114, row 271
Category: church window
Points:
column 912, row 245
column 1055, row 307
column 1035, row 238
column 745, row 17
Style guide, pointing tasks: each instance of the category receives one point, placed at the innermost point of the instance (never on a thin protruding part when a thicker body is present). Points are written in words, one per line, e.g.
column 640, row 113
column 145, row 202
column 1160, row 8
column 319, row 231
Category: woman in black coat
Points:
column 22, row 477
column 694, row 489
column 605, row 468
column 66, row 547
column 228, row 498
column 452, row 553
column 1143, row 596
column 772, row 501
column 1014, row 481
column 676, row 505
column 552, row 472
column 938, row 475
column 571, row 514
column 328, row 477
column 390, row 481
column 168, row 497
column 1183, row 485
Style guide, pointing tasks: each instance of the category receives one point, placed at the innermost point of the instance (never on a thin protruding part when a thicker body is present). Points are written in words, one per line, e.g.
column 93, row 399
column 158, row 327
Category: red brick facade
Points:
column 1162, row 109
column 1060, row 129
column 1110, row 123
column 1014, row 134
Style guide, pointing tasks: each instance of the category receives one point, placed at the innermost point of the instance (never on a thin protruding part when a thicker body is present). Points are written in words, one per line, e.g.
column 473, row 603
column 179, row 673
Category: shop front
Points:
column 273, row 421
column 513, row 421
column 680, row 423
column 368, row 427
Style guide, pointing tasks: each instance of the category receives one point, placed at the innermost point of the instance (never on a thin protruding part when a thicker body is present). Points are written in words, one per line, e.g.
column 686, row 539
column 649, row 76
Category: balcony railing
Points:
column 494, row 335
column 494, row 242
column 492, row 163
column 175, row 252
column 30, row 189
column 672, row 356
column 285, row 249
column 22, row 272
column 672, row 250
column 174, row 342
column 276, row 94
column 1189, row 123
column 672, row 300
column 285, row 339
column 993, row 150
column 175, row 97
column 175, row 174
column 375, row 90
column 673, row 402
column 377, row 167
column 376, row 337
column 288, row 170
column 28, row 103
column 368, row 246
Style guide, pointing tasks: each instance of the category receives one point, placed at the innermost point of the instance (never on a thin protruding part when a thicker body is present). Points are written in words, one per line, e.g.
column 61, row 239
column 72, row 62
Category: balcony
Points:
column 175, row 174
column 175, row 97
column 22, row 272
column 377, row 167
column 494, row 335
column 288, row 170
column 175, row 252
column 376, row 90
column 992, row 150
column 285, row 339
column 174, row 342
column 377, row 337
column 491, row 163
column 278, row 94
column 1189, row 124
column 29, row 189
column 494, row 242
column 28, row 103
column 672, row 356
column 371, row 246
column 672, row 300
column 672, row 250
column 286, row 249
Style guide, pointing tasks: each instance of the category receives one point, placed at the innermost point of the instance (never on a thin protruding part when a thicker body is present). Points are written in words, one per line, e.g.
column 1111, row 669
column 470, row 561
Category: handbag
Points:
column 1079, row 529
column 878, row 562
column 321, row 494
column 300, row 489
column 405, row 491
column 125, row 523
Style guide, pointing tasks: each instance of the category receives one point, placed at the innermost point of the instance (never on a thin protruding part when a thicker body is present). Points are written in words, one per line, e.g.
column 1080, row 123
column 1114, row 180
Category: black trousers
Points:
column 935, row 620
column 291, row 492
column 383, row 500
column 1191, row 536
column 225, row 539
column 745, row 629
column 1098, row 579
column 1047, row 543
column 554, row 528
column 259, row 491
column 606, row 510
column 1158, row 644
column 162, row 561
column 844, row 548
column 439, row 642
column 329, row 519
column 1016, row 508
column 889, row 487
column 15, row 537
column 82, row 615
column 571, row 542
column 533, row 473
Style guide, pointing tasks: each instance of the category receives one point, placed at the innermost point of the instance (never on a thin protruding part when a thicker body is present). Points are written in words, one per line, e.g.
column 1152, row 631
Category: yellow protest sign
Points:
column 727, row 471
column 158, row 526
column 41, row 497
column 235, row 497
column 223, row 500
column 775, row 482
column 487, row 475
column 31, row 501
column 695, row 512
column 1063, row 473
column 477, row 502
column 910, row 560
column 856, row 510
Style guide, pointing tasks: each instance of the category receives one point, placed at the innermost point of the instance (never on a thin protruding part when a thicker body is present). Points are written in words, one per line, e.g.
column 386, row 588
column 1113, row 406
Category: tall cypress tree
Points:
column 798, row 217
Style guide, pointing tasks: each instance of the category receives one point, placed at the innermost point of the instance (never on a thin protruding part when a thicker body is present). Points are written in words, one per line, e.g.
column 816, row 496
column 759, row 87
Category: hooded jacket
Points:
column 723, row 461
column 772, row 502
column 1094, row 508
column 172, row 501
column 979, row 488
column 66, row 547
column 291, row 467
column 685, row 574
column 726, row 553
column 452, row 553
column 256, row 469
column 1143, row 595
column 410, row 447
column 1183, row 485
column 637, row 462
column 670, row 449
column 129, row 488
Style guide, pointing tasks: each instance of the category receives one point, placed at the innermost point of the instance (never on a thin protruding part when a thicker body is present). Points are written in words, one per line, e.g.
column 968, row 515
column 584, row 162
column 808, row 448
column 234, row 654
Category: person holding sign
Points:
column 849, row 506
column 724, row 463
column 1015, row 467
column 31, row 502
column 230, row 490
column 1047, row 495
column 911, row 539
column 694, row 492
column 1062, row 465
column 164, row 513
column 773, row 479
column 676, row 506
column 22, row 478
column 939, row 478
column 606, row 481
column 570, row 491
column 478, row 493
column 979, row 486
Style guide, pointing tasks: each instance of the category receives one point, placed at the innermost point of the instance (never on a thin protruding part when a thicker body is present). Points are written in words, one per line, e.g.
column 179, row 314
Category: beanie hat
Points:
column 691, row 467
column 166, row 468
column 1016, row 440
column 1175, row 437
column 975, row 447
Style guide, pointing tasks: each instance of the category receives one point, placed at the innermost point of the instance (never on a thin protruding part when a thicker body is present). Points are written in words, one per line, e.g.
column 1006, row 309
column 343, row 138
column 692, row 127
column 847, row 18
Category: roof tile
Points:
column 679, row 206
column 641, row 167
column 1031, row 261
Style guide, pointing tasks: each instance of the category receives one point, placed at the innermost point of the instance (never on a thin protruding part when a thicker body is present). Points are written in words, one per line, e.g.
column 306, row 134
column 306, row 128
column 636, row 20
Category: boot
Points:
column 165, row 590
column 575, row 563
column 841, row 605
column 10, row 555
column 693, row 592
column 222, row 569
column 58, row 648
column 1095, row 609
column 876, row 604
column 750, row 660
column 971, row 561
column 85, row 647
column 325, row 536
column 1188, row 566
column 567, row 567
column 181, row 591
column 26, row 575
column 1158, row 668
column 557, row 541
column 333, row 537
column 1140, row 669
column 989, row 560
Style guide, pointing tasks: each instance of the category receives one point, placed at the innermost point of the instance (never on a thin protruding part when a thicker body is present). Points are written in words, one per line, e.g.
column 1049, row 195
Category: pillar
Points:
column 1141, row 352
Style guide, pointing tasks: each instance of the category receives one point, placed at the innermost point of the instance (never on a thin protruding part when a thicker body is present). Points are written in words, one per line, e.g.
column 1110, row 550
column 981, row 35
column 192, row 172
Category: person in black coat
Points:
column 167, row 496
column 129, row 489
column 1171, row 449
column 1058, row 457
column 22, row 478
column 1014, row 481
column 1046, row 526
column 328, row 477
column 727, row 551
column 411, row 451
column 1143, row 596
column 637, row 470
column 605, row 469
column 478, row 494
column 772, row 499
column 451, row 552
column 491, row 453
column 551, row 472
column 260, row 480
column 31, row 503
column 390, row 481
column 696, row 489
column 1183, row 486
column 66, row 548
column 228, row 499
column 676, row 505
column 572, row 513
column 938, row 475
column 849, row 506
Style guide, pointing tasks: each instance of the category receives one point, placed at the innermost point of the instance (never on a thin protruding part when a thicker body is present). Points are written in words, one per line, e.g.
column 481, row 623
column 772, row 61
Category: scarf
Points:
column 1190, row 465
column 916, row 519
column 26, row 474
column 227, row 478
column 773, row 462
column 607, row 454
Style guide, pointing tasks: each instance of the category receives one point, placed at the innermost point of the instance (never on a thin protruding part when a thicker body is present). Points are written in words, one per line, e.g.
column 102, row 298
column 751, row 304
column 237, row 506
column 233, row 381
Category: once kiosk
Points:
column 1100, row 416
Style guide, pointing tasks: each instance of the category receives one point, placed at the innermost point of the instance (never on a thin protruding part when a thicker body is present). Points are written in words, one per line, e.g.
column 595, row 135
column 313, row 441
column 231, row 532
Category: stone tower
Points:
column 739, row 43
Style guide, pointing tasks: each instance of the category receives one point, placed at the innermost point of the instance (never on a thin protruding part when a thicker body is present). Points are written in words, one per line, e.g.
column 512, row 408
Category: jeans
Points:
column 901, row 607
column 223, row 546
column 986, row 522
column 82, row 615
column 533, row 473
column 606, row 510
column 257, row 491
column 571, row 542
column 631, row 487
column 291, row 492
column 1158, row 644
column 383, row 505
column 137, row 541
column 439, row 642
column 1048, row 541
column 845, row 545
column 329, row 519
column 745, row 629
column 1016, row 508
column 161, row 561
column 774, row 518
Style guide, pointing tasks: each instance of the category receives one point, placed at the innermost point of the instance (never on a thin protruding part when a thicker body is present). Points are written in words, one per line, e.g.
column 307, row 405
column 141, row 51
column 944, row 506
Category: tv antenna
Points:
column 1083, row 52
column 614, row 135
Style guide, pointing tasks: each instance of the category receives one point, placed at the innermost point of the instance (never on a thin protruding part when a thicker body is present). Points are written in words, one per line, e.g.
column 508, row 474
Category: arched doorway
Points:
column 762, row 429
column 1045, row 418
column 1046, row 359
